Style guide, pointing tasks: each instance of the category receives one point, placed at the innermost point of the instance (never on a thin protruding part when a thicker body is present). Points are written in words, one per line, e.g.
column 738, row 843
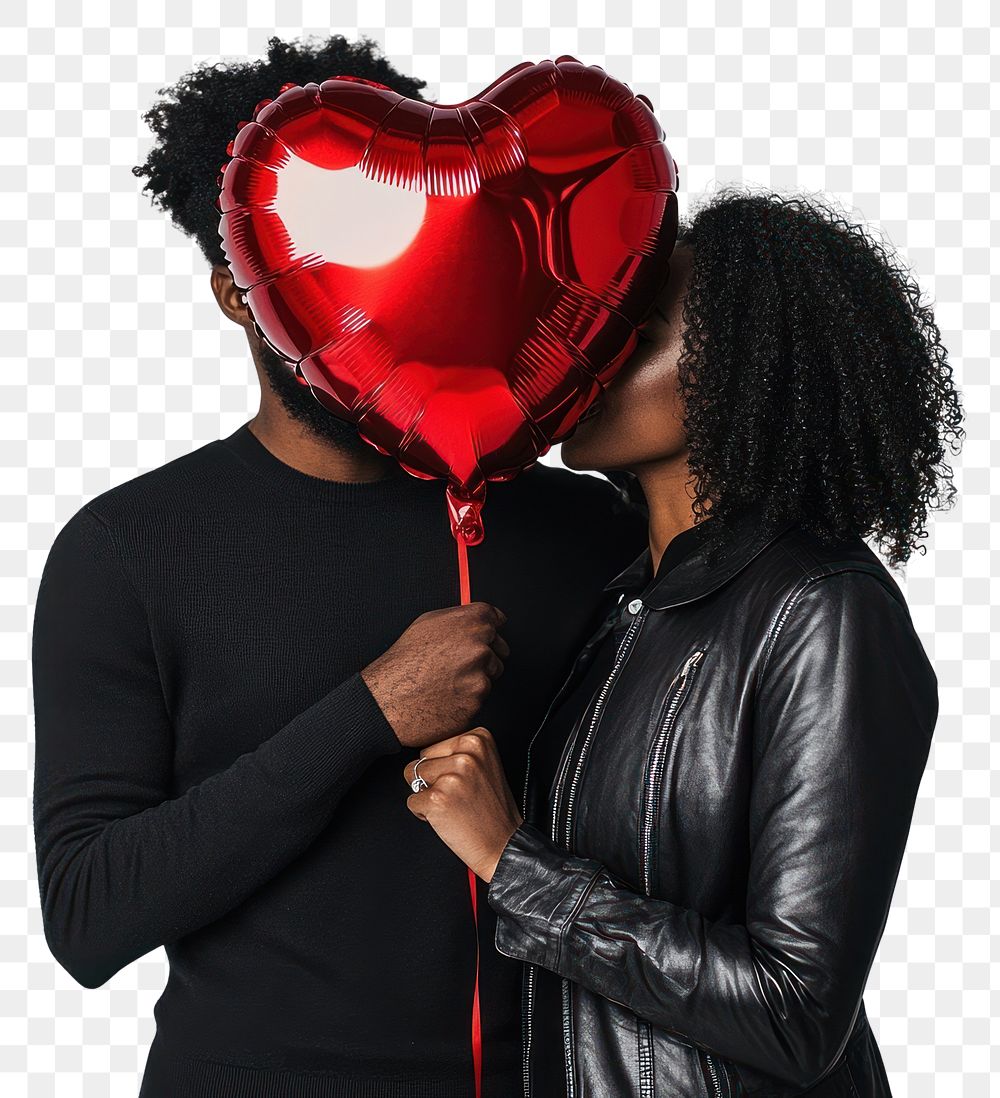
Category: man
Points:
column 233, row 657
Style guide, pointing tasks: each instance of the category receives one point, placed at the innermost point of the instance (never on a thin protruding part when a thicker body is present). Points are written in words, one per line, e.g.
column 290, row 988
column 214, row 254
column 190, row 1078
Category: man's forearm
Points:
column 113, row 889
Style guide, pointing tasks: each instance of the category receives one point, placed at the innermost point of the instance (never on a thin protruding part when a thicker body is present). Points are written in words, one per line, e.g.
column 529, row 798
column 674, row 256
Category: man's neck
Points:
column 293, row 443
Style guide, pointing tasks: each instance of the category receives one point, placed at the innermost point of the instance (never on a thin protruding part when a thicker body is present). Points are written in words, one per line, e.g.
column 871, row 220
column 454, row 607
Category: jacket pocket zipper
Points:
column 657, row 760
column 647, row 1080
column 713, row 1074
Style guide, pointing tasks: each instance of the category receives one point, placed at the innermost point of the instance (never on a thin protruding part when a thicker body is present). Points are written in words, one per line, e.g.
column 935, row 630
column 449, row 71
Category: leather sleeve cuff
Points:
column 536, row 890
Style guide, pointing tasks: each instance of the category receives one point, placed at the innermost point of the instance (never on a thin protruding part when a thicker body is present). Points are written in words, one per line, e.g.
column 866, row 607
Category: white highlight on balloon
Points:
column 345, row 216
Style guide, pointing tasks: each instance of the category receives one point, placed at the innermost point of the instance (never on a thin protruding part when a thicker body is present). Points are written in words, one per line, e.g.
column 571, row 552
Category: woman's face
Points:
column 638, row 419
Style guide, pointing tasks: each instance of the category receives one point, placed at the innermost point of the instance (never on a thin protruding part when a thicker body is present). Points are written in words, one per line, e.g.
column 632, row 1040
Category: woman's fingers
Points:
column 449, row 777
column 449, row 746
column 458, row 754
column 432, row 768
column 467, row 800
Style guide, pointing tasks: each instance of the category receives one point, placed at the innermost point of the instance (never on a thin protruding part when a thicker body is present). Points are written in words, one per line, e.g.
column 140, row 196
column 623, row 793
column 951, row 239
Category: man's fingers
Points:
column 494, row 667
column 488, row 610
column 500, row 647
column 498, row 615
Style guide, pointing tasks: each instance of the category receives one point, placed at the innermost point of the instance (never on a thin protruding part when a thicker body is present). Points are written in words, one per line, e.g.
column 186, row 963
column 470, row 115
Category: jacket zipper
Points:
column 567, row 1028
column 656, row 762
column 529, row 1006
column 621, row 656
column 556, row 699
column 528, row 999
column 661, row 747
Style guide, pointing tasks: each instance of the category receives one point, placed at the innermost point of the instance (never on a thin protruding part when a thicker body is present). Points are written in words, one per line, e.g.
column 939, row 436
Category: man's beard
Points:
column 298, row 400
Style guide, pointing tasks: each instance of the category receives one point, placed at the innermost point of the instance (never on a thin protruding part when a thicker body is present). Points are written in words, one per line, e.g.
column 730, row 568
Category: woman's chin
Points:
column 576, row 452
column 595, row 444
column 586, row 454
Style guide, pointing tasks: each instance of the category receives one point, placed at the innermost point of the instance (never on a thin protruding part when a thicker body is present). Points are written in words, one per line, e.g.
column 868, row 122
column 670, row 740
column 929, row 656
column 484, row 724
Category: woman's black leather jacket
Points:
column 709, row 876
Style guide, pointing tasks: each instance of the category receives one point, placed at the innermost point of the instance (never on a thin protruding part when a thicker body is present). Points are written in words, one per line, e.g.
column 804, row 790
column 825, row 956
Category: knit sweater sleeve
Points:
column 123, row 866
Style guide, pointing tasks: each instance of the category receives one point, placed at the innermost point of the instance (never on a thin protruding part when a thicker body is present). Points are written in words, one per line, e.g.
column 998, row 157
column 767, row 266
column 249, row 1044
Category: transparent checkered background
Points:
column 117, row 359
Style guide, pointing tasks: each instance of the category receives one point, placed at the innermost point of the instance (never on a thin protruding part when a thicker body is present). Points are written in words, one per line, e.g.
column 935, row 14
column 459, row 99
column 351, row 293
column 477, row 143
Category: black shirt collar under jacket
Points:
column 697, row 575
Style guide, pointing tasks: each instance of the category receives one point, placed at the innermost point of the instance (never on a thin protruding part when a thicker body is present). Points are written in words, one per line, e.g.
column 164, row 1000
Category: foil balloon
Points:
column 460, row 281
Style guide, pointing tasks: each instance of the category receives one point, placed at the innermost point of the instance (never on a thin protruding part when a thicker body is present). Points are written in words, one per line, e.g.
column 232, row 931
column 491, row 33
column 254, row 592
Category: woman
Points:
column 718, row 801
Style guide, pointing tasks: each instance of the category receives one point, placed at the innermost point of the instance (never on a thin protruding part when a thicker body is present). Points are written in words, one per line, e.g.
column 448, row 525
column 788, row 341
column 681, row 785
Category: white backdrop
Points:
column 118, row 360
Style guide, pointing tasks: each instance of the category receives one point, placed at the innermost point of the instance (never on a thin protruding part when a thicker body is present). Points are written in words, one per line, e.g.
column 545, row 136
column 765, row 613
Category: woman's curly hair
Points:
column 812, row 374
column 198, row 116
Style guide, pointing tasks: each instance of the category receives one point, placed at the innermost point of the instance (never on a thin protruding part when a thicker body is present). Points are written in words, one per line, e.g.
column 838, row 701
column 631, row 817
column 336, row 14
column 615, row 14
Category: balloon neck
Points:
column 466, row 517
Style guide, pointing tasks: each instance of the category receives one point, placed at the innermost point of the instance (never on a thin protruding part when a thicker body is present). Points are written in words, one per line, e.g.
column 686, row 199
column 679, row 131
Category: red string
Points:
column 477, row 1036
column 463, row 571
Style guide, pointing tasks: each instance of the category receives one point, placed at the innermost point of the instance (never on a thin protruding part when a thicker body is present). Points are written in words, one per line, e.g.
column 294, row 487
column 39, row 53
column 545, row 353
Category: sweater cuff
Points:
column 330, row 744
column 536, row 890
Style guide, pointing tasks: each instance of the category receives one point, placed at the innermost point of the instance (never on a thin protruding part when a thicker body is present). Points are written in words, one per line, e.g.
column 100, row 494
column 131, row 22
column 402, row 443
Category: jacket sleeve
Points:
column 123, row 866
column 845, row 707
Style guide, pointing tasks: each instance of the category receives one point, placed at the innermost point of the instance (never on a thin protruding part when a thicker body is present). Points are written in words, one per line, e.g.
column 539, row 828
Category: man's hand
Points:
column 467, row 800
column 433, row 680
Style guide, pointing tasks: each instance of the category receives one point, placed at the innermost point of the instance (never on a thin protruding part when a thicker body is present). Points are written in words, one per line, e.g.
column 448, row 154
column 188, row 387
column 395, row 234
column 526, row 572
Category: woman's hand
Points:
column 468, row 801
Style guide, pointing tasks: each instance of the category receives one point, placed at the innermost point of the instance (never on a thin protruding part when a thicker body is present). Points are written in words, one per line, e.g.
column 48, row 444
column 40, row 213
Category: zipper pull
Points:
column 691, row 661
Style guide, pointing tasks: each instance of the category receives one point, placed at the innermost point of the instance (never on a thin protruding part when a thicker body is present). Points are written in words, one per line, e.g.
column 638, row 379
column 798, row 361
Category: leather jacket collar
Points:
column 697, row 575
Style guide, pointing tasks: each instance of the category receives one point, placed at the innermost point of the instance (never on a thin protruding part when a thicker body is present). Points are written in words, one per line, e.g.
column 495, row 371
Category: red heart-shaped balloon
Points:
column 460, row 281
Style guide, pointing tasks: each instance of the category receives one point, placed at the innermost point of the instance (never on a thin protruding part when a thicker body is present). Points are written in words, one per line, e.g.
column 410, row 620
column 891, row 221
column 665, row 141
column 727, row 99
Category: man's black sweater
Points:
column 213, row 775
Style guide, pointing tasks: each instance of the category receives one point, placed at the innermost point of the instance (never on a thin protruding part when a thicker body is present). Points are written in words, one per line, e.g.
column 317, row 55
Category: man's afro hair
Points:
column 198, row 116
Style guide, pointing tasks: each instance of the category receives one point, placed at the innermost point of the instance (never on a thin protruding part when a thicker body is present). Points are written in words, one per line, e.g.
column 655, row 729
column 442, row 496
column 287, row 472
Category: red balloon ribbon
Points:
column 477, row 1033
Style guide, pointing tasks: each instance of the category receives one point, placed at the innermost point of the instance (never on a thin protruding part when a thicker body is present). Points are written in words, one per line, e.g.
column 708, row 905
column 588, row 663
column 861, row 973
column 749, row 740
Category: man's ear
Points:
column 228, row 296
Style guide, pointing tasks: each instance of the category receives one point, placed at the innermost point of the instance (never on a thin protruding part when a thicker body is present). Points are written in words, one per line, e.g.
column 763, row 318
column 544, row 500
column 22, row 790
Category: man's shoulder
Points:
column 581, row 496
column 160, row 494
column 582, row 517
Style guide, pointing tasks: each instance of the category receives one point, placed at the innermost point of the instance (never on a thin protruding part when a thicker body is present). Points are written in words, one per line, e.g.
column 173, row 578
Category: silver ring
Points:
column 418, row 783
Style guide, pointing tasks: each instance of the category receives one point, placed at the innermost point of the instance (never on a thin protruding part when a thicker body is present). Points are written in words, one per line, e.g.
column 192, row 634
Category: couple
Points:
column 240, row 658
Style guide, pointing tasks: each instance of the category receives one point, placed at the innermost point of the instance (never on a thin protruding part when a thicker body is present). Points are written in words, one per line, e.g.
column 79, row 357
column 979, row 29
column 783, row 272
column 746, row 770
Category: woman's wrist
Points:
column 490, row 864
